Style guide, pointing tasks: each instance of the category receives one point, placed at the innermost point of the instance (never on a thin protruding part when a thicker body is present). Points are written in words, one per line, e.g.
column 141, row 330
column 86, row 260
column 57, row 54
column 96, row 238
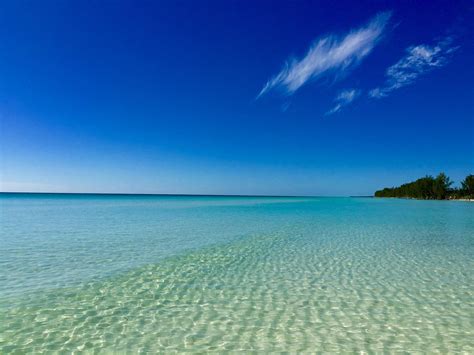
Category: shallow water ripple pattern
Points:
column 301, row 275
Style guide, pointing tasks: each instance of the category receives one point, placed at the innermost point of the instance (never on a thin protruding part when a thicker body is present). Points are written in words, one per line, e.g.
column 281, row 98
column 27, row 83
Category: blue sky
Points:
column 234, row 97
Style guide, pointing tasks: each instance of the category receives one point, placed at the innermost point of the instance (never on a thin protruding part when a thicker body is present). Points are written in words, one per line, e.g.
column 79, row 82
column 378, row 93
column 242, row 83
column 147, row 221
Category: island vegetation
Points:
column 431, row 188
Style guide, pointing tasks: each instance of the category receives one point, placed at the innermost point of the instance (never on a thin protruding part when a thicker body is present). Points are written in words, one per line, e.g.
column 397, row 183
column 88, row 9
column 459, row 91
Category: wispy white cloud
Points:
column 344, row 98
column 417, row 61
column 329, row 54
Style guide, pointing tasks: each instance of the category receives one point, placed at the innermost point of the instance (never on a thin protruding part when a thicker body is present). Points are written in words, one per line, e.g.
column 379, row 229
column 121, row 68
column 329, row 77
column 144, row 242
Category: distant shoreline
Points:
column 428, row 199
column 432, row 188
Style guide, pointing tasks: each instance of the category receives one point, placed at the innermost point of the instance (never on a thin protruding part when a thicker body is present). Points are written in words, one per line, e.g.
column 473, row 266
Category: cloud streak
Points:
column 344, row 98
column 418, row 60
column 329, row 55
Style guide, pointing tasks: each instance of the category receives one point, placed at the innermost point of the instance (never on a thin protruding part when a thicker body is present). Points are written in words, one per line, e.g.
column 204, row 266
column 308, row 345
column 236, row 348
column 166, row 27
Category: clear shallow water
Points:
column 199, row 274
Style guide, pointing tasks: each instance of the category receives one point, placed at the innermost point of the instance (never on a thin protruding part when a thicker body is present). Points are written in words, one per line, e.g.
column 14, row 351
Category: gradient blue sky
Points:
column 234, row 97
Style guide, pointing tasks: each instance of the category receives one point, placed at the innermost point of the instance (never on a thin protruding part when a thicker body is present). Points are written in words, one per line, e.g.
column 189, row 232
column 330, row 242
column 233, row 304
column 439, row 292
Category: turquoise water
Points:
column 166, row 273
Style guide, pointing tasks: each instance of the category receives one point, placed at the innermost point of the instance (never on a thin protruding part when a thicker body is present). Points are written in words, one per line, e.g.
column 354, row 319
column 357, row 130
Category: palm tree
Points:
column 441, row 186
column 467, row 186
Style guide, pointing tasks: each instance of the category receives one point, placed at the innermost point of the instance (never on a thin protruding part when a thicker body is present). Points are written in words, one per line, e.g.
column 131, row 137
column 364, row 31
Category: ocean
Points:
column 150, row 273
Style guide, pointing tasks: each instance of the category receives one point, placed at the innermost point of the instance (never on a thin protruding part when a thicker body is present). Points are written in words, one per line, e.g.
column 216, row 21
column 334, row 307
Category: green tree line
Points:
column 431, row 188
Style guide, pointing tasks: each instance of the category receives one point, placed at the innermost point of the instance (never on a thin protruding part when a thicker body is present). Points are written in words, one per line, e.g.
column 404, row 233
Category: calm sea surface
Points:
column 168, row 273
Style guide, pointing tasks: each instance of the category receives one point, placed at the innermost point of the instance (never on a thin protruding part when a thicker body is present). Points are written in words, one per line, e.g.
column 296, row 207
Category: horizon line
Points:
column 165, row 194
